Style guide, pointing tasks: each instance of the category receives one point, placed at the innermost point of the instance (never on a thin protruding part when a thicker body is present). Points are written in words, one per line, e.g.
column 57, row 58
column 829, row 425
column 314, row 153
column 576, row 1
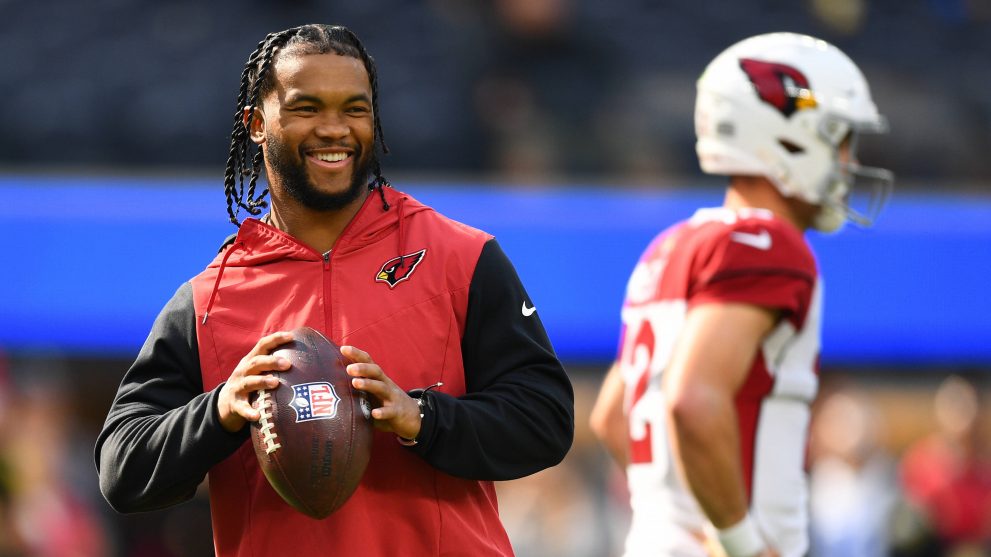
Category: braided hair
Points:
column 257, row 81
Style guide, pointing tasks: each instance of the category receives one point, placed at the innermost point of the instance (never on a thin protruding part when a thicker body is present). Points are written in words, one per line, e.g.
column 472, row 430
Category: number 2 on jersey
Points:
column 640, row 430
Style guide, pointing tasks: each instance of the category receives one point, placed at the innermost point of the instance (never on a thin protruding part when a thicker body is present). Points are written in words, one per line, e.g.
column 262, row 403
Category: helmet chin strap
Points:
column 830, row 219
column 833, row 209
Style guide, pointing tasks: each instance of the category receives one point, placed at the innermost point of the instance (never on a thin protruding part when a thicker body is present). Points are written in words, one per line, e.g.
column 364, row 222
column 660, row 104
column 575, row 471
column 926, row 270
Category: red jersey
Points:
column 723, row 256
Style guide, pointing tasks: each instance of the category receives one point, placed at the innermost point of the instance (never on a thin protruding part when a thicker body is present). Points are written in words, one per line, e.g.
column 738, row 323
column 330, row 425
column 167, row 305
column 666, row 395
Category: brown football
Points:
column 314, row 437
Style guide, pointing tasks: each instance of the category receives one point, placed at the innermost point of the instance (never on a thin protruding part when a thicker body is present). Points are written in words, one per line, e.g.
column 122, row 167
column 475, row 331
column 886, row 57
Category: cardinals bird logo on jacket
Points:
column 398, row 269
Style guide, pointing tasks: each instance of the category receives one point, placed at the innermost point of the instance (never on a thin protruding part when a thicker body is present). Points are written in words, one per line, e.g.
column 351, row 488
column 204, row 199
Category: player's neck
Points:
column 758, row 192
column 316, row 229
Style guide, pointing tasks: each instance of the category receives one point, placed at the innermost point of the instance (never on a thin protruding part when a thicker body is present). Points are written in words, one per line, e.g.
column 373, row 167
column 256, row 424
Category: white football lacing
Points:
column 268, row 436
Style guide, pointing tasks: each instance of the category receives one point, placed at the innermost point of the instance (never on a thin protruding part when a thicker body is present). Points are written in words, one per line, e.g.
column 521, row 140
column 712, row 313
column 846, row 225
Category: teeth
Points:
column 332, row 157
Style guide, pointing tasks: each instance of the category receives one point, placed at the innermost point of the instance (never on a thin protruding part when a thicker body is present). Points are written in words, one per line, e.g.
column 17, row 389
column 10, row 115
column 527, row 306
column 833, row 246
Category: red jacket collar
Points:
column 258, row 242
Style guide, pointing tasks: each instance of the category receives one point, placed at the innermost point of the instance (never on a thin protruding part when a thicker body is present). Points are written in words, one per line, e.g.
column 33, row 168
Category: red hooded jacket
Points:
column 504, row 410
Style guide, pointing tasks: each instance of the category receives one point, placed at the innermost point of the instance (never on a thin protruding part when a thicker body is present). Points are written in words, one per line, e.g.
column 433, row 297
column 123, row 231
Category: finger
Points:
column 257, row 383
column 371, row 371
column 244, row 409
column 262, row 363
column 385, row 412
column 356, row 355
column 372, row 387
column 268, row 343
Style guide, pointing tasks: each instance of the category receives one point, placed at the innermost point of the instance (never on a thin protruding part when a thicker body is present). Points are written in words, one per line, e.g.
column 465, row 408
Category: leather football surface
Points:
column 314, row 438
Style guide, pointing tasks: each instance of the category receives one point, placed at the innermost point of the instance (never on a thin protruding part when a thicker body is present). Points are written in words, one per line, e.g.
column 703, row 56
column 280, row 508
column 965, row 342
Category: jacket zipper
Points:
column 326, row 295
column 328, row 313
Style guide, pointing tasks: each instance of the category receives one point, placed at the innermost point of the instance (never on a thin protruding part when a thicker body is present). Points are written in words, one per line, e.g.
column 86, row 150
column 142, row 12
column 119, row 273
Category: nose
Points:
column 332, row 126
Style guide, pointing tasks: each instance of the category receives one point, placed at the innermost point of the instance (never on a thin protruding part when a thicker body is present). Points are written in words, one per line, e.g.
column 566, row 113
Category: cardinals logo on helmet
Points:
column 398, row 269
column 783, row 87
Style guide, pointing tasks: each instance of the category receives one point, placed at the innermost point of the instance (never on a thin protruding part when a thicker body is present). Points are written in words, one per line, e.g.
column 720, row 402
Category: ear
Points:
column 256, row 127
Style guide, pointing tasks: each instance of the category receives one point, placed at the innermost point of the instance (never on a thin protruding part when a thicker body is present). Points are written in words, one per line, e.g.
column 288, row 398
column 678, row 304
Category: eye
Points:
column 357, row 109
column 304, row 108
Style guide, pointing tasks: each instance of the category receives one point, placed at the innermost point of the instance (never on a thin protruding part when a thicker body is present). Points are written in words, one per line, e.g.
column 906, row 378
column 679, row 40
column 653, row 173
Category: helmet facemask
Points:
column 851, row 192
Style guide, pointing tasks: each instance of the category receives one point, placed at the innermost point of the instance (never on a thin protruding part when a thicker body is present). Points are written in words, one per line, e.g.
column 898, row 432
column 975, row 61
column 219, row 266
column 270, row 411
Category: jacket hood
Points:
column 383, row 211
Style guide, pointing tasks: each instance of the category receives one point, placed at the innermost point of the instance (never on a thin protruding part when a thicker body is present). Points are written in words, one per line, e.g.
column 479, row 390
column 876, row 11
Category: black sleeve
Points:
column 517, row 416
column 162, row 433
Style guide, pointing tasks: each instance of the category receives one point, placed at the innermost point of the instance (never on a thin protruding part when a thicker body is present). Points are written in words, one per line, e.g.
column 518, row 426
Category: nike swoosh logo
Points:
column 527, row 312
column 760, row 240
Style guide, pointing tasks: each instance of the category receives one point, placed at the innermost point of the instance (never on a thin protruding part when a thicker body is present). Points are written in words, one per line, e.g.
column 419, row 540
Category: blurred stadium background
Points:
column 565, row 128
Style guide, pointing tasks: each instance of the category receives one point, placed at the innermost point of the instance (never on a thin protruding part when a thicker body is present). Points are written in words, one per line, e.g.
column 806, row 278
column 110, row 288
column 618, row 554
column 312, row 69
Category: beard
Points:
column 296, row 181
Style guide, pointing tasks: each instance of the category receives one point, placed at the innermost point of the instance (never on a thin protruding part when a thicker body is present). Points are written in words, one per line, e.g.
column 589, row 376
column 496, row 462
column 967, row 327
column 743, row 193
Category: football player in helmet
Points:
column 708, row 403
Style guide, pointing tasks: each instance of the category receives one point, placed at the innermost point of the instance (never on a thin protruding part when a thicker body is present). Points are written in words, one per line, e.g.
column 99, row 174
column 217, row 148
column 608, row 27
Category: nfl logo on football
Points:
column 314, row 401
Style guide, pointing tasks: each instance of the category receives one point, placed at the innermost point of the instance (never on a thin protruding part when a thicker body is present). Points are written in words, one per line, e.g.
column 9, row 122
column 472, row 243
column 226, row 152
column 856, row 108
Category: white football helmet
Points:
column 780, row 105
